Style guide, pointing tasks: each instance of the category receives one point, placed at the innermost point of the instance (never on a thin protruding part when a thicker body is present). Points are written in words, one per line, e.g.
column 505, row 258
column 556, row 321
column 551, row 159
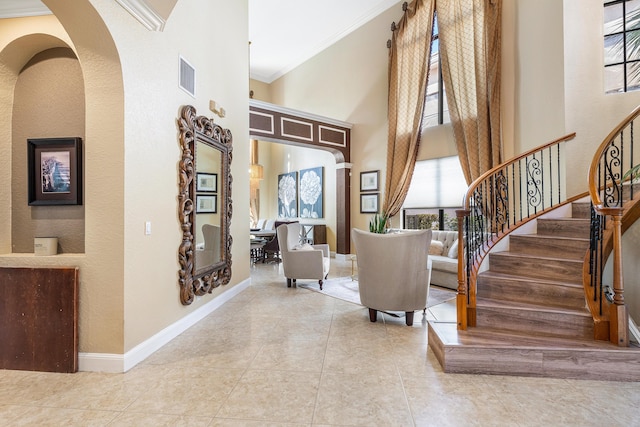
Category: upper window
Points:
column 621, row 46
column 436, row 111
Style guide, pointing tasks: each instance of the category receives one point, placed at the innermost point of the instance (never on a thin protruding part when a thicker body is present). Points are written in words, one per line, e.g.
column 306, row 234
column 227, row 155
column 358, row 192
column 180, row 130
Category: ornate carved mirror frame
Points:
column 199, row 131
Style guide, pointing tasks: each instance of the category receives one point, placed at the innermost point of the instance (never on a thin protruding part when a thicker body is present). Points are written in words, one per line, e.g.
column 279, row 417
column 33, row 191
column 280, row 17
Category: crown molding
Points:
column 144, row 13
column 13, row 9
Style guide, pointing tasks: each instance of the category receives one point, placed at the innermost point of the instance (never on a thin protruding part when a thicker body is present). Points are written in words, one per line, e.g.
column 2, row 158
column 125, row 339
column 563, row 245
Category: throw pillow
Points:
column 436, row 247
column 453, row 251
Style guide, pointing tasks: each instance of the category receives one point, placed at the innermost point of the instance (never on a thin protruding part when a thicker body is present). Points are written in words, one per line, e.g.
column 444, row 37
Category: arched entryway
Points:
column 274, row 123
column 76, row 26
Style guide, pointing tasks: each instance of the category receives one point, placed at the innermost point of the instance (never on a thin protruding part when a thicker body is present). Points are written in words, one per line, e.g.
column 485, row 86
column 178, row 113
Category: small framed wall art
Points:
column 207, row 182
column 369, row 203
column 206, row 203
column 54, row 171
column 369, row 180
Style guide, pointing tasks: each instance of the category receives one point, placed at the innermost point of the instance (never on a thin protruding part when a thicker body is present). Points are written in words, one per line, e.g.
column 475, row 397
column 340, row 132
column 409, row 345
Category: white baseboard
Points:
column 343, row 257
column 118, row 363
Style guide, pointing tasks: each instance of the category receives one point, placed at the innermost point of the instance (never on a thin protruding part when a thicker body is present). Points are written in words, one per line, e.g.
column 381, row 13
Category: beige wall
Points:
column 101, row 266
column 348, row 82
column 128, row 289
column 48, row 103
column 539, row 72
column 152, row 150
column 589, row 112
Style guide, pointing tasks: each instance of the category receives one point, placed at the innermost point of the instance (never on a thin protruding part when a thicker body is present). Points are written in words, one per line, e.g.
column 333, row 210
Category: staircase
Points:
column 531, row 316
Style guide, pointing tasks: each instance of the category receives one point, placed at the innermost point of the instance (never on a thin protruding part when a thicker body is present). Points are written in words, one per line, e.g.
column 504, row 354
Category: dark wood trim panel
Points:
column 269, row 122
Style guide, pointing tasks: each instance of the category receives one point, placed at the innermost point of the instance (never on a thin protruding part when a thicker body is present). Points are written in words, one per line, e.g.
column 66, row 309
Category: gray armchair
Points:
column 301, row 261
column 392, row 271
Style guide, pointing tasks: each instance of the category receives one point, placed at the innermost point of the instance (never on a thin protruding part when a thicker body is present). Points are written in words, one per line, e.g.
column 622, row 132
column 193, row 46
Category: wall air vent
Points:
column 187, row 77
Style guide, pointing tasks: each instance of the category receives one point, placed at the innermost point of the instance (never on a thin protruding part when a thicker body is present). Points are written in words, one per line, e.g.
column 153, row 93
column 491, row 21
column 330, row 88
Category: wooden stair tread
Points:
column 540, row 257
column 551, row 237
column 566, row 218
column 495, row 338
column 550, row 282
column 514, row 305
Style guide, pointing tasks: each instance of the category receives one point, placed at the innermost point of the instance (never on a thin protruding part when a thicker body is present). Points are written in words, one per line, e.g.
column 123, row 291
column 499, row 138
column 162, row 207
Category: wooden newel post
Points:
column 618, row 315
column 461, row 297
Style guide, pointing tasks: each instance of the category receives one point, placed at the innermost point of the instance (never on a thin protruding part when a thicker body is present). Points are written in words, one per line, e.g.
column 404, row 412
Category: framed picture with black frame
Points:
column 207, row 182
column 206, row 203
column 369, row 181
column 369, row 203
column 54, row 171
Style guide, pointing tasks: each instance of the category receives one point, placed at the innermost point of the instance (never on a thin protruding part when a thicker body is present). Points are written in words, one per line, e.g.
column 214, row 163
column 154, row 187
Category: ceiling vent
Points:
column 187, row 77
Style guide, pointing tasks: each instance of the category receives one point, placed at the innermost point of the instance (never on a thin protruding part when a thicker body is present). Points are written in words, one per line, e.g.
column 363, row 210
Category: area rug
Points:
column 346, row 289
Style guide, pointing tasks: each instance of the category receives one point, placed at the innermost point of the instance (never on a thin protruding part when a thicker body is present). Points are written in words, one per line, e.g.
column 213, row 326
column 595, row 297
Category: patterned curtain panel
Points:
column 408, row 68
column 470, row 46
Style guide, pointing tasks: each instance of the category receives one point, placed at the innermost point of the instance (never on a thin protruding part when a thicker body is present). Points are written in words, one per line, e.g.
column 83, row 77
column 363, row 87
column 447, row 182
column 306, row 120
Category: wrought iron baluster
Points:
column 631, row 161
column 559, row 186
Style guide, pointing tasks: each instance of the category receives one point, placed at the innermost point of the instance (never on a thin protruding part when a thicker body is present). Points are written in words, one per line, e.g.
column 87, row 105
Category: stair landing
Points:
column 496, row 352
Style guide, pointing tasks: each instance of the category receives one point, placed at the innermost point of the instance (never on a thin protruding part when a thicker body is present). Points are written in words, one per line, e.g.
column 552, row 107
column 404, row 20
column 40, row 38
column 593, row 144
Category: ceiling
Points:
column 283, row 33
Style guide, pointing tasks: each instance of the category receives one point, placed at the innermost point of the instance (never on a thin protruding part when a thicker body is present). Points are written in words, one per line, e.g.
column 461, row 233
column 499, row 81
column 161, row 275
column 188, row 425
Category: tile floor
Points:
column 275, row 356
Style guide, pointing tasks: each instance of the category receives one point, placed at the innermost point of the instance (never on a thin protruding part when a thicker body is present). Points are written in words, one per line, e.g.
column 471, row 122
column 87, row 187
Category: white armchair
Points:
column 301, row 261
column 392, row 271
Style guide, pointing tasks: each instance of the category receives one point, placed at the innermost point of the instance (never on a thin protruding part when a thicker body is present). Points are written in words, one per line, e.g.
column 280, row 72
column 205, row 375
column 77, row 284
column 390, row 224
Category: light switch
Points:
column 147, row 227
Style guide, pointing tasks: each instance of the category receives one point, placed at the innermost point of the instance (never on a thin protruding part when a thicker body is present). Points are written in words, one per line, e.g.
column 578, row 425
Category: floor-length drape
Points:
column 408, row 69
column 470, row 49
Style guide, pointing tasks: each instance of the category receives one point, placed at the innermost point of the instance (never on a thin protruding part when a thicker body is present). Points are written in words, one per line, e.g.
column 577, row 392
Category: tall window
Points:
column 437, row 189
column 621, row 46
column 436, row 111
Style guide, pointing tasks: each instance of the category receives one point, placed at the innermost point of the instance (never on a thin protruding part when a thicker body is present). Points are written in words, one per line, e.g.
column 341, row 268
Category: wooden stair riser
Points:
column 553, row 324
column 530, row 291
column 564, row 227
column 545, row 246
column 538, row 267
column 581, row 210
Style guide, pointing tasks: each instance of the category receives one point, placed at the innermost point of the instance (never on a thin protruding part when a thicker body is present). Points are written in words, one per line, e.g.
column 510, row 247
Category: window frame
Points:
column 435, row 37
column 625, row 62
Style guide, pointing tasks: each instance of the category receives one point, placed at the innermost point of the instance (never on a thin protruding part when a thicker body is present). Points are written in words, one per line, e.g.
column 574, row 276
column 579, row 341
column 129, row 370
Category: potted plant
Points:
column 379, row 223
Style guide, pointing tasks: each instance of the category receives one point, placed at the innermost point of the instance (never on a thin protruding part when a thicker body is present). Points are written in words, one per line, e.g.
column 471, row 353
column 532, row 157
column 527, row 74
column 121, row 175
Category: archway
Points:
column 78, row 26
column 274, row 123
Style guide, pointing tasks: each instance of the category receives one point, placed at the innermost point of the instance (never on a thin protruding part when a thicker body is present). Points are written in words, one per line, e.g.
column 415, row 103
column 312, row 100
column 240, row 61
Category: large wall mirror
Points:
column 204, row 205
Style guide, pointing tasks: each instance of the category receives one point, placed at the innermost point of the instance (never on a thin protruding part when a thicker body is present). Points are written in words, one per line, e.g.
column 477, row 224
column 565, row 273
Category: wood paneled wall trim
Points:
column 270, row 122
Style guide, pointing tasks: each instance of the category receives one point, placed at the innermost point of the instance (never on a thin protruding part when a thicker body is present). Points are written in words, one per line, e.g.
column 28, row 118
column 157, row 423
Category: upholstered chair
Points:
column 301, row 261
column 392, row 271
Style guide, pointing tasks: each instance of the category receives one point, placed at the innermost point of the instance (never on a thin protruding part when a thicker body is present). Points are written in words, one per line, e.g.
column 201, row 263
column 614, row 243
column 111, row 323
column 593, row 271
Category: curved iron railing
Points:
column 500, row 201
column 610, row 187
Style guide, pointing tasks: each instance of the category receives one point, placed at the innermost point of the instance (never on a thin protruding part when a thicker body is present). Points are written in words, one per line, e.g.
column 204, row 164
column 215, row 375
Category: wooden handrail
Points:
column 477, row 181
column 607, row 164
column 595, row 162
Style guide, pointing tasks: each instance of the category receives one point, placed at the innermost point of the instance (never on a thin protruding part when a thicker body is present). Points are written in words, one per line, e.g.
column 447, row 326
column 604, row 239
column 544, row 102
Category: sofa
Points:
column 443, row 253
